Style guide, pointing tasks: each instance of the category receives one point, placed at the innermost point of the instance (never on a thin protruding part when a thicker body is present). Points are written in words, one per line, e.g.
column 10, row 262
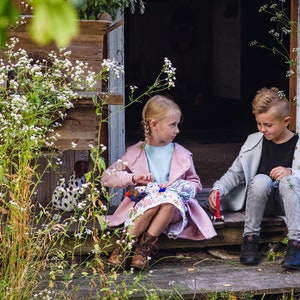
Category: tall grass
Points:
column 37, row 245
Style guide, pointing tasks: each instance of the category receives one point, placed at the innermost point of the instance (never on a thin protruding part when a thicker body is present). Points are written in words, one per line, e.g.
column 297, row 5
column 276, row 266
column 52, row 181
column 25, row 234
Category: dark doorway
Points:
column 218, row 73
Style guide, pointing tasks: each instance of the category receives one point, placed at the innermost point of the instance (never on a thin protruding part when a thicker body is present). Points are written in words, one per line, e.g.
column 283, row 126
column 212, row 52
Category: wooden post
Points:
column 293, row 56
column 116, row 124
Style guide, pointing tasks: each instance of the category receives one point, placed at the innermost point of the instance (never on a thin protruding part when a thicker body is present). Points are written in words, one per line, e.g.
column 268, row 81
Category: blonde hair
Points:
column 267, row 98
column 157, row 108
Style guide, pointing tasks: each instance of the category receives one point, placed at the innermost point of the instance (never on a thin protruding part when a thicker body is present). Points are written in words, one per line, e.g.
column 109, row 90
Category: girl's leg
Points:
column 165, row 214
column 151, row 223
column 119, row 254
column 141, row 224
column 155, row 220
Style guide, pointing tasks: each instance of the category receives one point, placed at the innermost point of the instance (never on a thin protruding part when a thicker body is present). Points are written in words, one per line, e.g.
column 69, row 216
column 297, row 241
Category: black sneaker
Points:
column 292, row 257
column 249, row 250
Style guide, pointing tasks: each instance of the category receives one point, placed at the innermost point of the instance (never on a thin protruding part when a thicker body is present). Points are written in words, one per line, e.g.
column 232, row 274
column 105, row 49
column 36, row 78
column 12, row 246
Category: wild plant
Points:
column 36, row 94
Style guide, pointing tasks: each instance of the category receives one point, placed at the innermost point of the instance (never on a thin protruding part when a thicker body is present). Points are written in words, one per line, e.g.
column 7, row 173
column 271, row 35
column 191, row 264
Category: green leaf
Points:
column 88, row 176
column 101, row 163
column 54, row 20
column 8, row 15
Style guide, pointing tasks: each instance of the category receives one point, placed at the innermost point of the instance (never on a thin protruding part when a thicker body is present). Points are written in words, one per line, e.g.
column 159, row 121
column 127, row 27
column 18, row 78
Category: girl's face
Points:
column 164, row 132
column 273, row 127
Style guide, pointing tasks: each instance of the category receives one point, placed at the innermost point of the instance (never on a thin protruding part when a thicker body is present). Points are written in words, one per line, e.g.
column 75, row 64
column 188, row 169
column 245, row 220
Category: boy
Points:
column 265, row 175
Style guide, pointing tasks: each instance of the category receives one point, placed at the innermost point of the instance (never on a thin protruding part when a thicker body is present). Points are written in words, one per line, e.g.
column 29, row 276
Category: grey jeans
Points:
column 266, row 197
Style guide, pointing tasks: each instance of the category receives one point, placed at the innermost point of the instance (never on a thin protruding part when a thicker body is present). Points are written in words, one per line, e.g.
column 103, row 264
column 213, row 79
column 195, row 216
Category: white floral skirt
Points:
column 157, row 198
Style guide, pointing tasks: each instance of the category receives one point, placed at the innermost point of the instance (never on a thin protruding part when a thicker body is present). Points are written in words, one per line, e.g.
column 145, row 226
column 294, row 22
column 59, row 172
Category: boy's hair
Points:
column 267, row 98
column 157, row 108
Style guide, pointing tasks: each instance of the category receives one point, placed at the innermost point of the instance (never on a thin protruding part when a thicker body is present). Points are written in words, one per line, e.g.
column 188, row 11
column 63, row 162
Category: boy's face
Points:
column 272, row 126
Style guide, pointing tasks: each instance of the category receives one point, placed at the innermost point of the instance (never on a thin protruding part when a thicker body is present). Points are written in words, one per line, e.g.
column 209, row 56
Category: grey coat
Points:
column 233, row 184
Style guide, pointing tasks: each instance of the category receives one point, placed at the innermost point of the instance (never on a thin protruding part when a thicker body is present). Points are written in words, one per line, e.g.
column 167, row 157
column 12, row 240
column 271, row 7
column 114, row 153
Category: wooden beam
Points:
column 293, row 54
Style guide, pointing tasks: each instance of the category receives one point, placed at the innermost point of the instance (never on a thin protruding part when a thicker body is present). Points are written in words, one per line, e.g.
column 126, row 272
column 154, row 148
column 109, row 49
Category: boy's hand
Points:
column 143, row 179
column 280, row 172
column 212, row 200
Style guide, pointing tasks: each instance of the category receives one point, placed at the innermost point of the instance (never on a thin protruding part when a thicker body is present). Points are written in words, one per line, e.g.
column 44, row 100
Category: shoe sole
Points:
column 139, row 267
column 286, row 266
column 245, row 262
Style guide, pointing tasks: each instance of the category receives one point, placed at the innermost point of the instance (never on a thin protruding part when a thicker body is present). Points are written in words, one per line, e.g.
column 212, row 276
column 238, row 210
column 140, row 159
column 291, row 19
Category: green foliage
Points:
column 92, row 9
column 283, row 28
column 35, row 94
column 53, row 21
column 8, row 14
column 56, row 20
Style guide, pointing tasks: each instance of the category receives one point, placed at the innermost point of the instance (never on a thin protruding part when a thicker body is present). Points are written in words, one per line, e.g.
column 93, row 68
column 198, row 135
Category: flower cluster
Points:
column 35, row 91
column 169, row 70
column 284, row 27
column 112, row 68
column 164, row 81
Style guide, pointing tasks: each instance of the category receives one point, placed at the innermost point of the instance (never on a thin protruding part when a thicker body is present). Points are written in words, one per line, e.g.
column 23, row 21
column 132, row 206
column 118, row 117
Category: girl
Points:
column 165, row 183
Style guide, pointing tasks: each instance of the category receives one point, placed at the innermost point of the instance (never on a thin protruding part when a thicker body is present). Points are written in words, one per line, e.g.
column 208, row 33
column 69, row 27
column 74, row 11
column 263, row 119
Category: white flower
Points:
column 103, row 147
column 133, row 88
column 74, row 145
column 88, row 231
column 281, row 94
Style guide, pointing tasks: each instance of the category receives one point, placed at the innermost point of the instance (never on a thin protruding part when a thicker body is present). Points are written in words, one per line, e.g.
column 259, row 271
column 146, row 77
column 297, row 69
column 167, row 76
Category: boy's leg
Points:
column 289, row 189
column 259, row 191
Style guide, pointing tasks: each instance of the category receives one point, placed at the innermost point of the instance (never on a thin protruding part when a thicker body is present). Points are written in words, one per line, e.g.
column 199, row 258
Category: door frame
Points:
column 293, row 56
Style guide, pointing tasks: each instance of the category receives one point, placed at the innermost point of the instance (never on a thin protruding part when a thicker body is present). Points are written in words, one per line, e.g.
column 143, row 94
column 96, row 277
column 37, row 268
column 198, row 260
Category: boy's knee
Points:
column 261, row 182
column 289, row 183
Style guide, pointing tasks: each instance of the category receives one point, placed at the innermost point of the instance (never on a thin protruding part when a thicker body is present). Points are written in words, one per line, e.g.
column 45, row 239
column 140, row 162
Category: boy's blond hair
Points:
column 267, row 98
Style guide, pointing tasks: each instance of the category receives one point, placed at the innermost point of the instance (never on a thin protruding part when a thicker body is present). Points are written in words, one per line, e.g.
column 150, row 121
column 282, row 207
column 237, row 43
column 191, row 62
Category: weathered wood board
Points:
column 88, row 46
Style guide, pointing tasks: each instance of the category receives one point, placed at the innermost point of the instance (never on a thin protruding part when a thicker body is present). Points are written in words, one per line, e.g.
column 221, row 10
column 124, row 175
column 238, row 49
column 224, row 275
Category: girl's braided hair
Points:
column 157, row 108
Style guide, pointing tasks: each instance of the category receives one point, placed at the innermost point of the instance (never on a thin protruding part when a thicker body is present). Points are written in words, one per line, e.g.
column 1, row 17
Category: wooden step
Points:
column 229, row 232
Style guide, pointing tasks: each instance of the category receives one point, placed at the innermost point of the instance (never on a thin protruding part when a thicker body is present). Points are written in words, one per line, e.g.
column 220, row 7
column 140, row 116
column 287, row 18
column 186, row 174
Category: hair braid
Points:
column 146, row 126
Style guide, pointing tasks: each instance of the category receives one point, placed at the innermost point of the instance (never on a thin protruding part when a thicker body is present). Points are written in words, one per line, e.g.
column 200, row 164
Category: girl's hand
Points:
column 143, row 179
column 165, row 185
column 280, row 172
column 212, row 200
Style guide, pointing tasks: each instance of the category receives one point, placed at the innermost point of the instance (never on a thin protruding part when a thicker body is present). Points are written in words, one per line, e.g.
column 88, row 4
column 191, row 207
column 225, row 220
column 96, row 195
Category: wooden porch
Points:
column 199, row 270
column 229, row 233
column 192, row 268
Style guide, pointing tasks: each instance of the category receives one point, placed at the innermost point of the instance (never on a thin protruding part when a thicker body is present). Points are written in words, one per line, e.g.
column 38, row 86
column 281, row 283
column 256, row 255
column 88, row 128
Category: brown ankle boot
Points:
column 117, row 257
column 142, row 254
column 120, row 253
